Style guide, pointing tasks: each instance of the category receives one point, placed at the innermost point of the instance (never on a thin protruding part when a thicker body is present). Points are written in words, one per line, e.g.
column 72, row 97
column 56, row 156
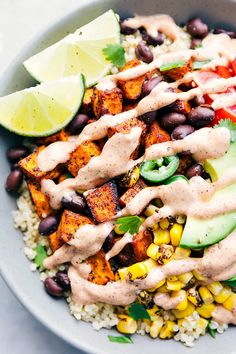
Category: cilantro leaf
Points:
column 227, row 123
column 120, row 339
column 138, row 312
column 41, row 254
column 129, row 224
column 174, row 65
column 199, row 64
column 115, row 53
column 212, row 331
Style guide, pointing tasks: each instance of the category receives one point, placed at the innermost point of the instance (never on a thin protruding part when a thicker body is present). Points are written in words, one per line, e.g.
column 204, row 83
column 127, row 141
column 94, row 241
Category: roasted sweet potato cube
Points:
column 103, row 202
column 55, row 242
column 107, row 102
column 87, row 100
column 184, row 163
column 140, row 243
column 101, row 272
column 60, row 136
column 132, row 89
column 40, row 200
column 131, row 192
column 30, row 168
column 156, row 135
column 69, row 224
column 178, row 73
column 81, row 156
column 179, row 106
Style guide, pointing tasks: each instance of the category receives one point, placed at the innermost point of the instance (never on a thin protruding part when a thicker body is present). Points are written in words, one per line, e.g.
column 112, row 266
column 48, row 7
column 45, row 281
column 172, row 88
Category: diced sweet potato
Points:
column 156, row 135
column 87, row 100
column 30, row 168
column 103, row 202
column 62, row 135
column 55, row 242
column 131, row 192
column 179, row 106
column 178, row 73
column 101, row 272
column 184, row 163
column 140, row 243
column 69, row 224
column 107, row 102
column 132, row 89
column 40, row 200
column 81, row 156
column 125, row 128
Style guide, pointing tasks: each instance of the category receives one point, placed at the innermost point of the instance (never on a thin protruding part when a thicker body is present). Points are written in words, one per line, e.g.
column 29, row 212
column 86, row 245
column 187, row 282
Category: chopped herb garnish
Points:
column 199, row 64
column 120, row 339
column 129, row 224
column 115, row 53
column 175, row 65
column 138, row 312
column 41, row 254
column 212, row 331
column 227, row 123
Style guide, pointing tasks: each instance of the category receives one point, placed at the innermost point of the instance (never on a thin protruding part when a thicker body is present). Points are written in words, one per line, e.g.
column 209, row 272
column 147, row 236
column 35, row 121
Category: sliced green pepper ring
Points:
column 175, row 178
column 156, row 171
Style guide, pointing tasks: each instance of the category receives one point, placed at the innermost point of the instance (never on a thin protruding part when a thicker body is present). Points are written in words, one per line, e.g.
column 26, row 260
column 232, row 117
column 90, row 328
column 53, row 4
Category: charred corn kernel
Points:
column 194, row 297
column 180, row 219
column 157, row 286
column 161, row 237
column 174, row 285
column 118, row 231
column 150, row 210
column 126, row 324
column 123, row 272
column 155, row 227
column 156, row 327
column 206, row 295
column 230, row 302
column 184, row 303
column 175, row 234
column 206, row 310
column 198, row 276
column 185, row 313
column 185, row 277
column 172, row 278
column 163, row 289
column 166, row 254
column 181, row 253
column 157, row 202
column 223, row 295
column 215, row 288
column 137, row 271
column 202, row 323
column 164, row 224
column 153, row 251
column 154, row 312
column 150, row 264
column 167, row 330
column 130, row 178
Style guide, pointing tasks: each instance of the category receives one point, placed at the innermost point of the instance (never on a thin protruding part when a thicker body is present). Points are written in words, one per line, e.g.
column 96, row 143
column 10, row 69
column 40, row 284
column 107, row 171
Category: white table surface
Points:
column 20, row 333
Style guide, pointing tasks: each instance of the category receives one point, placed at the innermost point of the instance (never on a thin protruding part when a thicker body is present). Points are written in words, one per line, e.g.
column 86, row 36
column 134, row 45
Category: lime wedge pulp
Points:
column 44, row 109
column 80, row 52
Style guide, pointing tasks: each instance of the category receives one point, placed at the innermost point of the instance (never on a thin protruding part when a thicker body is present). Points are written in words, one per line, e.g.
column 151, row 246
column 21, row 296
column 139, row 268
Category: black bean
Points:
column 78, row 123
column 14, row 180
column 231, row 34
column 149, row 117
column 17, row 153
column 149, row 85
column 109, row 242
column 126, row 256
column 48, row 225
column 201, row 116
column 144, row 53
column 172, row 120
column 194, row 170
column 74, row 203
column 195, row 43
column 127, row 30
column 150, row 40
column 198, row 101
column 15, row 166
column 197, row 28
column 52, row 287
column 63, row 280
column 181, row 132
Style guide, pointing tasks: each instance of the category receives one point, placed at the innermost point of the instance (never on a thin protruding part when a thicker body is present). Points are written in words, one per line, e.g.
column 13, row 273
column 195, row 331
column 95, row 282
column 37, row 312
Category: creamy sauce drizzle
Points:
column 119, row 245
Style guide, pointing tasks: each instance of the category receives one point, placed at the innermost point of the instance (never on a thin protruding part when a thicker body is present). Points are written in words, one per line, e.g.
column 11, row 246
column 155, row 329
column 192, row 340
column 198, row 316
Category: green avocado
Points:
column 199, row 233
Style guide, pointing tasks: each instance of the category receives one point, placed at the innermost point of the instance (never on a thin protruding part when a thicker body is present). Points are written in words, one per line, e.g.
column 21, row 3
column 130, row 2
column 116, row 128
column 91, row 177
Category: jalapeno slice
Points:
column 159, row 170
column 175, row 178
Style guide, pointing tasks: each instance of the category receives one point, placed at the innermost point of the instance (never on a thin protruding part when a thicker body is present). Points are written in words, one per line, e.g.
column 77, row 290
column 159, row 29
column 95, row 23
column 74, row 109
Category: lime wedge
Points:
column 80, row 52
column 44, row 109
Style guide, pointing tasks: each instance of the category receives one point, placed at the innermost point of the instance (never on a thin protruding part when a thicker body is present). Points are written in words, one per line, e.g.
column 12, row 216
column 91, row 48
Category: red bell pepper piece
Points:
column 223, row 72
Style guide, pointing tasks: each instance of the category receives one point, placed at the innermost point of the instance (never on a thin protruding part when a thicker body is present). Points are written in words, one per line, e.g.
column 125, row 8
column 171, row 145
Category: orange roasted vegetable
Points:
column 55, row 242
column 178, row 73
column 62, row 135
column 40, row 200
column 132, row 89
column 131, row 192
column 140, row 243
column 156, row 135
column 107, row 102
column 87, row 100
column 101, row 272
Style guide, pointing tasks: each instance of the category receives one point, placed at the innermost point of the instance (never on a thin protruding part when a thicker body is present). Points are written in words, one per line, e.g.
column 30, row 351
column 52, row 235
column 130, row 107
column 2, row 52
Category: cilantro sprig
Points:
column 138, row 312
column 120, row 339
column 129, row 224
column 199, row 64
column 172, row 65
column 212, row 331
column 115, row 53
column 41, row 254
column 227, row 123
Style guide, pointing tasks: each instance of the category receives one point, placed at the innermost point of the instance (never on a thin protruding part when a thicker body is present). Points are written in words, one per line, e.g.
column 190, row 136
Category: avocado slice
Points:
column 199, row 233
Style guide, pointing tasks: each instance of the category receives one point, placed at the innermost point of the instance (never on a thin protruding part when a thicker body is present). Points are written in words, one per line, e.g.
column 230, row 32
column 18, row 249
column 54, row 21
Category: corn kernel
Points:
column 180, row 219
column 174, row 285
column 161, row 237
column 198, row 276
column 205, row 295
column 230, row 302
column 126, row 324
column 123, row 272
column 137, row 271
column 156, row 327
column 162, row 282
column 172, row 278
column 155, row 226
column 154, row 312
column 175, row 234
column 223, row 295
column 194, row 297
column 167, row 330
column 181, row 253
column 185, row 313
column 184, row 303
column 202, row 323
column 153, row 251
column 150, row 264
column 164, row 224
column 185, row 277
column 166, row 254
column 163, row 289
column 118, row 231
column 150, row 210
column 206, row 310
column 215, row 288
